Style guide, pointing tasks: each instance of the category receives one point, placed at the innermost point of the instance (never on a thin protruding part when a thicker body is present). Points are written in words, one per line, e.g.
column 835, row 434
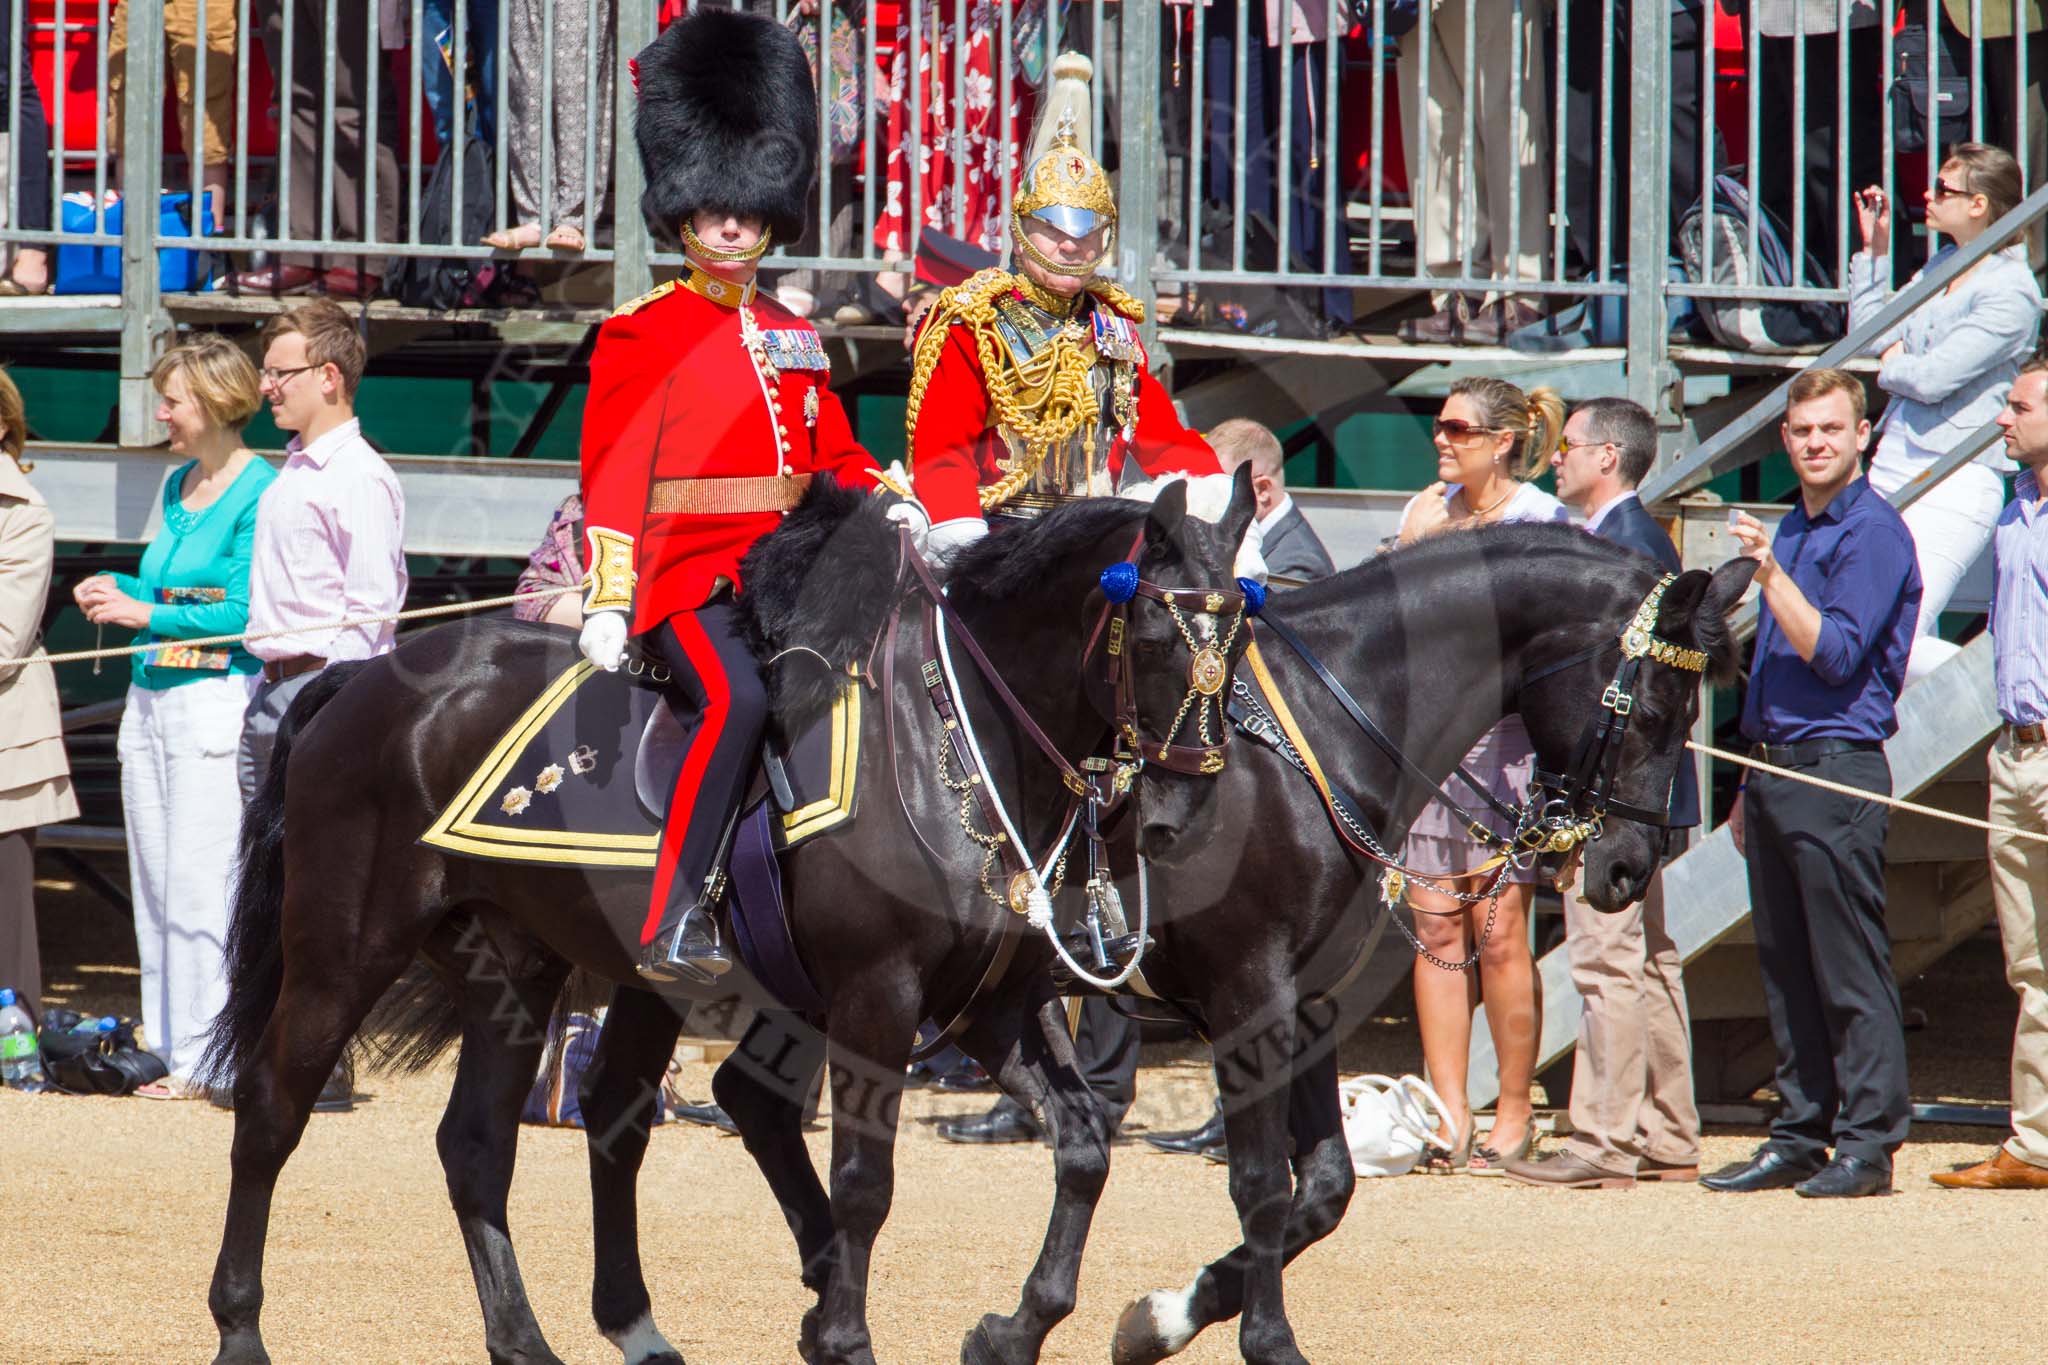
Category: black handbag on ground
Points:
column 96, row 1063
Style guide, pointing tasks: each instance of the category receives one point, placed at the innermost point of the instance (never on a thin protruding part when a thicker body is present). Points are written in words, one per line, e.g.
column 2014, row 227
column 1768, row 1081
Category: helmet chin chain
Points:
column 1045, row 262
column 697, row 246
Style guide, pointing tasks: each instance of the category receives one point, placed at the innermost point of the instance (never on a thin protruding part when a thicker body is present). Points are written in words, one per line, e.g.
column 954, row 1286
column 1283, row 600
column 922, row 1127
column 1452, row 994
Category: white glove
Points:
column 949, row 538
column 909, row 514
column 603, row 639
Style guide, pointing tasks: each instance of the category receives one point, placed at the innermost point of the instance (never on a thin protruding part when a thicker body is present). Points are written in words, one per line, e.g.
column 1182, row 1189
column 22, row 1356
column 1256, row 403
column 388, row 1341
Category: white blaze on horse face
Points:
column 642, row 1341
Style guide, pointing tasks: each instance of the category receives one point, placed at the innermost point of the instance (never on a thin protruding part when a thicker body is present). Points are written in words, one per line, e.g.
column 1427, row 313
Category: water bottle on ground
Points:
column 21, row 1065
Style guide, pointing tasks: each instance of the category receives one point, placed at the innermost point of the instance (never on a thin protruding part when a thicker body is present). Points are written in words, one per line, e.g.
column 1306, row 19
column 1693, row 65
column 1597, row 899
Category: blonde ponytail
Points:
column 1536, row 417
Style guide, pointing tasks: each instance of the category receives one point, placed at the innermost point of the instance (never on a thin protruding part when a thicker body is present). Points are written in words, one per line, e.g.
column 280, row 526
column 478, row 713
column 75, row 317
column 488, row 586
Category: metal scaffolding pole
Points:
column 145, row 326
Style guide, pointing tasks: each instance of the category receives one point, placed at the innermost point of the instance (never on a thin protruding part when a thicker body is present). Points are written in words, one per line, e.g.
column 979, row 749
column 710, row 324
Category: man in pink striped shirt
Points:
column 329, row 530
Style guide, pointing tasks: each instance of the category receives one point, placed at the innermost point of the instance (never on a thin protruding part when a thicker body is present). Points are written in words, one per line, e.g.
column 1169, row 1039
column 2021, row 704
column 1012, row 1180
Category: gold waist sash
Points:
column 714, row 497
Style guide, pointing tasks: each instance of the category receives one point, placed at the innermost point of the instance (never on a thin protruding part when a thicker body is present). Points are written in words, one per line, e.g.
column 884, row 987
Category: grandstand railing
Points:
column 1152, row 80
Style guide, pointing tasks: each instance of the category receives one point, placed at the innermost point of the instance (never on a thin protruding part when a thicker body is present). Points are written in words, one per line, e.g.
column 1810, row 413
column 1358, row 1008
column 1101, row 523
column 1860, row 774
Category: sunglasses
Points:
column 1455, row 429
column 1943, row 190
column 1566, row 443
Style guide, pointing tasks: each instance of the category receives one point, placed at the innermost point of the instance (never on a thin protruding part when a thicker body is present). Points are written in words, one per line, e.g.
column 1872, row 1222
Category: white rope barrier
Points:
column 417, row 613
column 1842, row 789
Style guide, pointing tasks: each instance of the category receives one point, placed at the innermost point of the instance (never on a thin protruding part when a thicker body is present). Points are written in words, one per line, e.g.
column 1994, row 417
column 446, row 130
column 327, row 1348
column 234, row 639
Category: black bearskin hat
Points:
column 727, row 120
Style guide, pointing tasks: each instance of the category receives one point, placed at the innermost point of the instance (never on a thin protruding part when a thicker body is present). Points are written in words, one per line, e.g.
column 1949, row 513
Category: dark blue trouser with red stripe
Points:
column 720, row 699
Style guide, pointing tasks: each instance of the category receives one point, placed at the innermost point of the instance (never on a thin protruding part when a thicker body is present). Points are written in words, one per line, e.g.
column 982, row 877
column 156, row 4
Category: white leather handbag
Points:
column 1388, row 1121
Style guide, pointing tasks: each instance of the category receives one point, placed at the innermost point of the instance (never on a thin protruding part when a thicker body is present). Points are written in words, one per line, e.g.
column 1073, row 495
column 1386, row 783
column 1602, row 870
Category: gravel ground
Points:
column 365, row 1262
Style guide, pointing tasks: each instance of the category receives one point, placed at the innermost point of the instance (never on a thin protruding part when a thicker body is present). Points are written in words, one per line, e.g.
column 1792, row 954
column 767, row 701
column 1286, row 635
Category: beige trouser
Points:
column 1510, row 155
column 2019, row 888
column 1632, row 1080
column 181, row 33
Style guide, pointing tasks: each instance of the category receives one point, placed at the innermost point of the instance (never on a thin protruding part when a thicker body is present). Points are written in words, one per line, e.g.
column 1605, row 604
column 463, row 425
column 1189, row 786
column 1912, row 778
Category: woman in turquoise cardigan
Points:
column 183, row 723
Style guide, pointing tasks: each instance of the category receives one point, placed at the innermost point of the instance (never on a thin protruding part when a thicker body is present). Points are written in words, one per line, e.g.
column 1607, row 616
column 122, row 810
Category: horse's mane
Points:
column 822, row 583
column 1014, row 561
column 1710, row 630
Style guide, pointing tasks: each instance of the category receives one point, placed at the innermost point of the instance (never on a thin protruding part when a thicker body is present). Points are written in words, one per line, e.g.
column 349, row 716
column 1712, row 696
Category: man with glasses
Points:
column 329, row 530
column 1632, row 1110
column 329, row 542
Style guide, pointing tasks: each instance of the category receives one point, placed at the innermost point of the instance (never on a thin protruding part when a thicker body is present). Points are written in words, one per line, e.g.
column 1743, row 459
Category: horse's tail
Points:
column 255, row 942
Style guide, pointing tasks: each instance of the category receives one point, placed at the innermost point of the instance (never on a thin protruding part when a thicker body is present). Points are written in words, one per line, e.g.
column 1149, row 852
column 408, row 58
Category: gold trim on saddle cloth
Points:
column 459, row 830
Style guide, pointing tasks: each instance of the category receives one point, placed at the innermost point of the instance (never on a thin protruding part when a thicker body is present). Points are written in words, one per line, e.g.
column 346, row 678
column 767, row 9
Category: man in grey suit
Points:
column 1632, row 1108
column 1290, row 545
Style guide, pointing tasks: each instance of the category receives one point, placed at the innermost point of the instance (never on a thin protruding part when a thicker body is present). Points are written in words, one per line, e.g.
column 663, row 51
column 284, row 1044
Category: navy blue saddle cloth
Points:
column 582, row 777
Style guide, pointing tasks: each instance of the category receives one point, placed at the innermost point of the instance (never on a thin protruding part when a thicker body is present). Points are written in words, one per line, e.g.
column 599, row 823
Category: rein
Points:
column 1563, row 811
column 1094, row 787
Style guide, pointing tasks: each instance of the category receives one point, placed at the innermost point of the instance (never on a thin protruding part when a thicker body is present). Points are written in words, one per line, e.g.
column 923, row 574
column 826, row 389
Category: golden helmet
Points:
column 1064, row 186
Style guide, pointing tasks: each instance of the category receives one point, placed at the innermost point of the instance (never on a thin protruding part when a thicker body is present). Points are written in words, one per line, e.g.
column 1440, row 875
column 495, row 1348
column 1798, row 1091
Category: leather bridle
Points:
column 1574, row 805
column 1208, row 664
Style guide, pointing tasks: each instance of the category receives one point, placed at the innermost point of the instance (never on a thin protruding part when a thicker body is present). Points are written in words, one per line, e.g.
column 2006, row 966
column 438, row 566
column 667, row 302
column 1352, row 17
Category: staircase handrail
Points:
column 1703, row 463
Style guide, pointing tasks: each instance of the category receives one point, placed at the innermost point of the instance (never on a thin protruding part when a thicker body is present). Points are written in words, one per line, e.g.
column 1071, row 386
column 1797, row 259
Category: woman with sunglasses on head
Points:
column 1947, row 368
column 1491, row 438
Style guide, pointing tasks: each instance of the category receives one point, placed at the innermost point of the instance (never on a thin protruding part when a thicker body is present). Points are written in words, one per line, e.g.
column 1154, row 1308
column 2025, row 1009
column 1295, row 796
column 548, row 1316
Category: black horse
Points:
column 1436, row 643
column 1260, row 910
column 338, row 898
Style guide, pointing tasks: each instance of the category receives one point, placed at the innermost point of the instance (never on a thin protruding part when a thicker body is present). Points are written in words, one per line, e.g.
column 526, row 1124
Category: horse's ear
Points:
column 1731, row 581
column 1681, row 602
column 1244, row 505
column 1169, row 509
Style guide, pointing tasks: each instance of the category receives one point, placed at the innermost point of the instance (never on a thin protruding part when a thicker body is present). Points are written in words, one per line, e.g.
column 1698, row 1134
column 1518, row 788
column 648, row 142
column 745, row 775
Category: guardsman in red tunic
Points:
column 1030, row 387
column 709, row 412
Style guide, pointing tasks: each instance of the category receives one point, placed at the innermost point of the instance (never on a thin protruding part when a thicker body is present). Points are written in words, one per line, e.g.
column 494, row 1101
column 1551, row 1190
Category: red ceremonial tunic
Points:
column 675, row 394
column 955, row 449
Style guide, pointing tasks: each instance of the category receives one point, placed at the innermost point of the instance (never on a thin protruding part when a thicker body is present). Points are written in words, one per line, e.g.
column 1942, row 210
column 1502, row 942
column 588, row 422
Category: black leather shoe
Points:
column 965, row 1079
column 338, row 1096
column 1846, row 1177
column 1767, row 1170
column 708, row 1114
column 691, row 953
column 1007, row 1122
column 1194, row 1142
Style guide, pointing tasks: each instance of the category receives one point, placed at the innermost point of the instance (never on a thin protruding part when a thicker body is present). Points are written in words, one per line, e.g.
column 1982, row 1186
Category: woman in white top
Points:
column 1490, row 438
column 1947, row 368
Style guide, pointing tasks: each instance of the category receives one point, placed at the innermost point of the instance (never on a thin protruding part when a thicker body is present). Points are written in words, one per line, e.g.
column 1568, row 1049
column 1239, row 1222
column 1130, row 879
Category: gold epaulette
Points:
column 972, row 301
column 1118, row 298
column 631, row 306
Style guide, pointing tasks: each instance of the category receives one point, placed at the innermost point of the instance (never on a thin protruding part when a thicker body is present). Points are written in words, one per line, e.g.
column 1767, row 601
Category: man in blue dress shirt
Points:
column 1840, row 596
column 2019, row 785
column 1632, row 1110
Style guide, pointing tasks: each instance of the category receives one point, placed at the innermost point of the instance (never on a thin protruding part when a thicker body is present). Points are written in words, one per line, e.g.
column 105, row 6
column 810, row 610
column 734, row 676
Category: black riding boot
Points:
column 688, row 950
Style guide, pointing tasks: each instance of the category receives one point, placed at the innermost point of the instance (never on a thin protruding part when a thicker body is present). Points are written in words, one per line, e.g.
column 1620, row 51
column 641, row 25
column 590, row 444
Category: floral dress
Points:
column 976, row 146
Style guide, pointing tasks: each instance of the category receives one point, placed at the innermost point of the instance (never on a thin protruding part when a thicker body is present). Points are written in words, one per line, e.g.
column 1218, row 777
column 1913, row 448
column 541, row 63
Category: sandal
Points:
column 1438, row 1159
column 1490, row 1160
column 566, row 237
column 521, row 238
column 172, row 1088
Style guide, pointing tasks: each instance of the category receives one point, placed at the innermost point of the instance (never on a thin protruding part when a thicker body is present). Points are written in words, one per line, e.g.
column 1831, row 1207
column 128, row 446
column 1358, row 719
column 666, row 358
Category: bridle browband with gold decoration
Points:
column 1575, row 803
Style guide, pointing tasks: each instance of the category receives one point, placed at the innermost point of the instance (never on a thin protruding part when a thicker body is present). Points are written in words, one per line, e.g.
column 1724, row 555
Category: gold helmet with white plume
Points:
column 1064, row 186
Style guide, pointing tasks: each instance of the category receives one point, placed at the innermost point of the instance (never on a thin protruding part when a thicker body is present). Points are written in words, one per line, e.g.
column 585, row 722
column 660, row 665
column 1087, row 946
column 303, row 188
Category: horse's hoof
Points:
column 1152, row 1329
column 980, row 1348
column 242, row 1352
column 807, row 1337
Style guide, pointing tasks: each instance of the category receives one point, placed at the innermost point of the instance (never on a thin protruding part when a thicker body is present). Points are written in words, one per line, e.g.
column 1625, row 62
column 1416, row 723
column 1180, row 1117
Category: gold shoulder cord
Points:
column 1055, row 381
